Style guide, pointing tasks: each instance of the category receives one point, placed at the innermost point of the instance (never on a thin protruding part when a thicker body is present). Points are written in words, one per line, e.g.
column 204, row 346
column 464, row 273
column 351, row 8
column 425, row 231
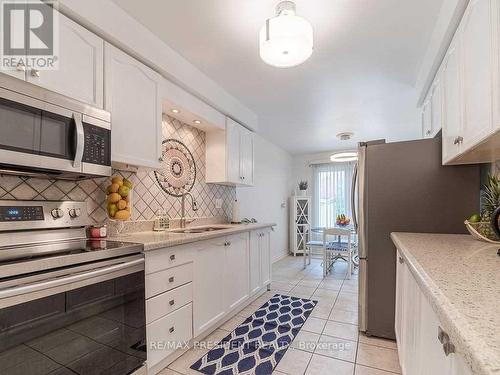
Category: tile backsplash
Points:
column 147, row 197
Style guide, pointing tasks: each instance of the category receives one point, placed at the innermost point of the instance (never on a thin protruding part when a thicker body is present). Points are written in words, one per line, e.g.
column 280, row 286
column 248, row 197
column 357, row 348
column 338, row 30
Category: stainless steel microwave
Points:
column 43, row 133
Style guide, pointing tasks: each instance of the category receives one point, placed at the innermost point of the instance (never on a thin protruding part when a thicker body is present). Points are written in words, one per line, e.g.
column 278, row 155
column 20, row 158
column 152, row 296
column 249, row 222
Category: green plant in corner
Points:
column 491, row 198
column 303, row 185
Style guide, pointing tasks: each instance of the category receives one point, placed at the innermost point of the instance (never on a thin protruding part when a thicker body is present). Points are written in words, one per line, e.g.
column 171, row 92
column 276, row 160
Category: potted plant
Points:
column 303, row 188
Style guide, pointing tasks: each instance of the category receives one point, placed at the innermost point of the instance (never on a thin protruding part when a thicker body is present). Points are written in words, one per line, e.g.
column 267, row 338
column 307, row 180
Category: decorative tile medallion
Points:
column 258, row 344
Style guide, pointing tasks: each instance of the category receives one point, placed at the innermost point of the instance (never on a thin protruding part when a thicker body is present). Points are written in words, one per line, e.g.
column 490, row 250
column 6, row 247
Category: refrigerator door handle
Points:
column 353, row 197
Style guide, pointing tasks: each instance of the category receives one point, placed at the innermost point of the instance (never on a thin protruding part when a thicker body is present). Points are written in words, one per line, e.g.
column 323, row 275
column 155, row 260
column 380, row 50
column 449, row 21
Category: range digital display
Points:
column 21, row 213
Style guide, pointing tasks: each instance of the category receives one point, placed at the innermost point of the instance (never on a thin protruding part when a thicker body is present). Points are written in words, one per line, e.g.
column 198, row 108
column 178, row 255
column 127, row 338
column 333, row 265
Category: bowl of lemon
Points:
column 119, row 199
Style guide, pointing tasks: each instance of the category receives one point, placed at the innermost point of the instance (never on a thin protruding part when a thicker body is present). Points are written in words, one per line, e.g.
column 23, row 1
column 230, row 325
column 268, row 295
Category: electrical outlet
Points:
column 218, row 203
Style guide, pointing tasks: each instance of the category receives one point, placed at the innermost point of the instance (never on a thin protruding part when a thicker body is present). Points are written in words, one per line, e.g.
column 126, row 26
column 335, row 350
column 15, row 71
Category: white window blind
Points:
column 331, row 192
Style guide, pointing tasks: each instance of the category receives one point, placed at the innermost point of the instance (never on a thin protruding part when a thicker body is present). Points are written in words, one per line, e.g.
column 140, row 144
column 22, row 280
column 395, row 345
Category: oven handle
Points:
column 18, row 290
column 80, row 140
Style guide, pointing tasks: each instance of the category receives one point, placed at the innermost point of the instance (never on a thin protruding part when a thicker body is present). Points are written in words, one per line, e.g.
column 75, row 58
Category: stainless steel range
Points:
column 68, row 305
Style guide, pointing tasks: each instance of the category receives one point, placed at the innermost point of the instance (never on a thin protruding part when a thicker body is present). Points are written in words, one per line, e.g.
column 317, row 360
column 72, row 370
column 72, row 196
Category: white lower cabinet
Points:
column 423, row 344
column 192, row 288
column 209, row 304
column 260, row 259
column 168, row 334
column 236, row 271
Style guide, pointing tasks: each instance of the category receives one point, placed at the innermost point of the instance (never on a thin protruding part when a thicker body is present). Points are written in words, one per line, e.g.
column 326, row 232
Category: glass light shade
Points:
column 286, row 41
column 340, row 157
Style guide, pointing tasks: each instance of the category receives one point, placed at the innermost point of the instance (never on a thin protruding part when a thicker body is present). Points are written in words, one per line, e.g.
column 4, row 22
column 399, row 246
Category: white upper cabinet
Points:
column 451, row 102
column 230, row 155
column 477, row 68
column 80, row 71
column 427, row 119
column 471, row 80
column 132, row 96
column 79, row 74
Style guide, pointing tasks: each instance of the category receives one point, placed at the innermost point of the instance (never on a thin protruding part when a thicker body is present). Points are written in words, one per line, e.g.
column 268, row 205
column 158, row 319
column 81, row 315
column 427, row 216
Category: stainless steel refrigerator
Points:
column 402, row 187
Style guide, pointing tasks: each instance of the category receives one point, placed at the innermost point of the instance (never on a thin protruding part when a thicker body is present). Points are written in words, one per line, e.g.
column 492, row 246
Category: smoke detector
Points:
column 345, row 136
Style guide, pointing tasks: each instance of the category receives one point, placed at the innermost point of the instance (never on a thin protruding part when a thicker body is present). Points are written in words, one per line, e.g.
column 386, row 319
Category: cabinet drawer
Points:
column 168, row 302
column 163, row 259
column 166, row 280
column 169, row 333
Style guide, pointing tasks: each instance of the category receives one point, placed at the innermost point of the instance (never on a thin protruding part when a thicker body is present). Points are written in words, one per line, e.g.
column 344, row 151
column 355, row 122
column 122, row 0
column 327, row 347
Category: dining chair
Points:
column 337, row 249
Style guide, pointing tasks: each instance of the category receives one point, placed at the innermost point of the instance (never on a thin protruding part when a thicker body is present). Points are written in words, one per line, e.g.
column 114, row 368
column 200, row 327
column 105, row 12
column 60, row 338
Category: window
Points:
column 331, row 192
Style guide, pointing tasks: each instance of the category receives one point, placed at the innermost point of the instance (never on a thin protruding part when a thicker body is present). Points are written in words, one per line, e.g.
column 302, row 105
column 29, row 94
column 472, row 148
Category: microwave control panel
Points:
column 97, row 145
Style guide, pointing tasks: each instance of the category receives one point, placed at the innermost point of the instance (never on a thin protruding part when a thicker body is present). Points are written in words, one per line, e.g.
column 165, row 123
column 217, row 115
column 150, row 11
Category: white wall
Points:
column 273, row 172
column 301, row 170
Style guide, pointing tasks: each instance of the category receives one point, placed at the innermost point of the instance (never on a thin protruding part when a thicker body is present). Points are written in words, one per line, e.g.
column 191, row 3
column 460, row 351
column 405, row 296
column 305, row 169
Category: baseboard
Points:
column 282, row 256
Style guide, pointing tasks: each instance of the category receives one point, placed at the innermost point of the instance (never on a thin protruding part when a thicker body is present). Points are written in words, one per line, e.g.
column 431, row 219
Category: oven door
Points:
column 84, row 319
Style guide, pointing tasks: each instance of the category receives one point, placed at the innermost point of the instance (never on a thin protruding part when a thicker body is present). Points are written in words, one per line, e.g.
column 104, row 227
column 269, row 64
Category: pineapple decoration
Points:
column 490, row 208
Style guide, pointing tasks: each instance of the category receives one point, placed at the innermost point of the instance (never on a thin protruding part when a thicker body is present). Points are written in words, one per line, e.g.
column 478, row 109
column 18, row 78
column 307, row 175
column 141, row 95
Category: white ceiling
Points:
column 360, row 78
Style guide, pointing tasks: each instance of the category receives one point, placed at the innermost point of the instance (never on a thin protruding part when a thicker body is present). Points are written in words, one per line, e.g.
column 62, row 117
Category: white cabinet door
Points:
column 411, row 324
column 81, row 65
column 431, row 352
column 246, row 156
column 426, row 119
column 476, row 37
column 208, row 282
column 233, row 151
column 132, row 97
column 236, row 277
column 265, row 253
column 436, row 106
column 398, row 321
column 255, row 262
column 452, row 117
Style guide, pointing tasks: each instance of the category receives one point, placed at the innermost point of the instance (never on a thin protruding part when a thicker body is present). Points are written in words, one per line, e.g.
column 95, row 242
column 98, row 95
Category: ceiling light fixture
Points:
column 287, row 39
column 197, row 122
column 175, row 111
column 340, row 157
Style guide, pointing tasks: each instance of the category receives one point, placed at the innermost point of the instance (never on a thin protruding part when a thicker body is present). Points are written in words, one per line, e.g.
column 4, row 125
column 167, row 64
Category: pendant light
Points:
column 287, row 39
column 341, row 157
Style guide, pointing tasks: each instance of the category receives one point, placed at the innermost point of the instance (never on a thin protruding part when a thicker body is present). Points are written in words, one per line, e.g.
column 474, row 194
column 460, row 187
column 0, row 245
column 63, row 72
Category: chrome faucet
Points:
column 194, row 206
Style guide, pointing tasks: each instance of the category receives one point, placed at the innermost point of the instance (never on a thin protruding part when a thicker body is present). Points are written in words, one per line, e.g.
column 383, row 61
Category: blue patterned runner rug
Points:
column 257, row 345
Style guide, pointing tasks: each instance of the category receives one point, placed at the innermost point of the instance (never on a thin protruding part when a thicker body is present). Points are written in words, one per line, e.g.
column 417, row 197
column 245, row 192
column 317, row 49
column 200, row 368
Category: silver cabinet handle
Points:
column 171, row 330
column 229, row 243
column 20, row 67
column 171, row 279
column 172, row 257
column 401, row 260
column 448, row 348
column 428, row 132
column 458, row 140
column 442, row 336
column 171, row 302
column 35, row 73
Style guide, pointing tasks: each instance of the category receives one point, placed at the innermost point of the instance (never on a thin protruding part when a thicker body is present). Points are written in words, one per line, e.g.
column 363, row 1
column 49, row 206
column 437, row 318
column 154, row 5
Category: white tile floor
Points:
column 329, row 342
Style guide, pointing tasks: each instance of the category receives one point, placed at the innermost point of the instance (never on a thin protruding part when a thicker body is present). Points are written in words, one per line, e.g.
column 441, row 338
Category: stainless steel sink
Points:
column 202, row 229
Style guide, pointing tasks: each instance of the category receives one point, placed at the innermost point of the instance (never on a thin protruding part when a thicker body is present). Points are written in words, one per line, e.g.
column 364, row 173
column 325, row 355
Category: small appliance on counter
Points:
column 53, row 277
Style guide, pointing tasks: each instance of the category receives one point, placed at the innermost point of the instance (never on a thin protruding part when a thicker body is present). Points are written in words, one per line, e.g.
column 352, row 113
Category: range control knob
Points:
column 57, row 213
column 75, row 212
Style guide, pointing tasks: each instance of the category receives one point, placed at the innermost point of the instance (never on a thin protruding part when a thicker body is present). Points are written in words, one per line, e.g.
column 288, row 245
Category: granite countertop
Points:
column 157, row 240
column 460, row 277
